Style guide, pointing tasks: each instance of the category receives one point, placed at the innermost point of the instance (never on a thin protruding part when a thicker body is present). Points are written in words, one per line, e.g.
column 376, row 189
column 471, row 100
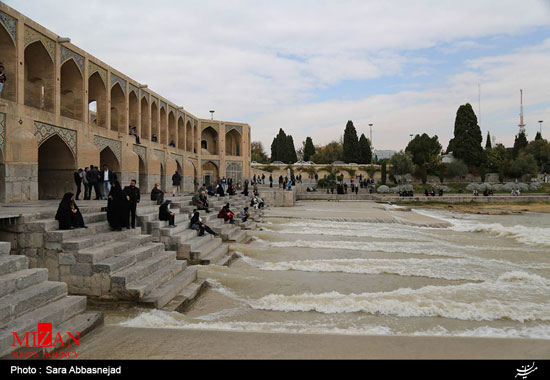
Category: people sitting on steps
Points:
column 257, row 202
column 244, row 215
column 226, row 214
column 200, row 201
column 197, row 224
column 68, row 214
column 219, row 191
column 166, row 215
column 157, row 194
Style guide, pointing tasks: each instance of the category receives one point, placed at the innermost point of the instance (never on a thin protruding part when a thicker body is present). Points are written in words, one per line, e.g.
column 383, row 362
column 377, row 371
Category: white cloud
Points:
column 235, row 57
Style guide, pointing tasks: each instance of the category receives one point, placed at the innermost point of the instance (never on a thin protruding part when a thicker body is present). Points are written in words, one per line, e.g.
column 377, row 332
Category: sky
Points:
column 309, row 66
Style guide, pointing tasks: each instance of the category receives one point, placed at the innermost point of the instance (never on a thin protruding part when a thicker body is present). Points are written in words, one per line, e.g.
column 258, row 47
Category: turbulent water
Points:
column 485, row 276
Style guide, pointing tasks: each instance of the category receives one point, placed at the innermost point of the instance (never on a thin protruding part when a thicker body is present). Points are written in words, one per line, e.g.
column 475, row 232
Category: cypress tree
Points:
column 466, row 144
column 383, row 173
column 309, row 149
column 365, row 151
column 538, row 136
column 351, row 144
column 290, row 151
column 520, row 143
column 278, row 147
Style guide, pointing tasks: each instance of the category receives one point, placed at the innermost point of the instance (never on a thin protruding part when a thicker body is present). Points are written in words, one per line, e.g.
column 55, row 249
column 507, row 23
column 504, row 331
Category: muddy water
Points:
column 485, row 276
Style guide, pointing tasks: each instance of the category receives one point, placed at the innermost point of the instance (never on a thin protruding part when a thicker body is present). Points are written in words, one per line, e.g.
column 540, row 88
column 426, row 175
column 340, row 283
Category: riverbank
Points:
column 115, row 342
column 485, row 208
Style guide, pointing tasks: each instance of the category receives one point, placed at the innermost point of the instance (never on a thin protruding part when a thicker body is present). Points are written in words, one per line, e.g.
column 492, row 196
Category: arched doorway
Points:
column 39, row 78
column 72, row 94
column 189, row 137
column 172, row 133
column 209, row 141
column 107, row 157
column 9, row 60
column 97, row 100
column 134, row 111
column 233, row 143
column 155, row 133
column 163, row 126
column 181, row 134
column 235, row 172
column 118, row 109
column 56, row 167
column 143, row 183
column 145, row 120
column 210, row 173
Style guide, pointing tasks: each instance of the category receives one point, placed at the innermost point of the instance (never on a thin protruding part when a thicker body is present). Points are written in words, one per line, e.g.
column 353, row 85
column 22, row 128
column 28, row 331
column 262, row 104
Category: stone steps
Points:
column 127, row 258
column 77, row 244
column 21, row 279
column 187, row 296
column 162, row 278
column 12, row 264
column 215, row 255
column 95, row 255
column 161, row 296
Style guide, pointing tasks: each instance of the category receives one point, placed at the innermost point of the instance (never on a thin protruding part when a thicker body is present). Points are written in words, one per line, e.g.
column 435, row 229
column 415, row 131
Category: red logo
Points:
column 44, row 338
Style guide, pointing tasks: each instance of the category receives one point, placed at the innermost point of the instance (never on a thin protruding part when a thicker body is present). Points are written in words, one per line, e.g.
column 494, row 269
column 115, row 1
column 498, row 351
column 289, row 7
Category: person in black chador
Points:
column 68, row 214
column 133, row 197
column 117, row 208
column 165, row 214
column 157, row 194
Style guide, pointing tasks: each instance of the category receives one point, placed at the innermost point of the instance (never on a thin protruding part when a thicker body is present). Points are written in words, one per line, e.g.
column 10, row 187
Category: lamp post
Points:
column 370, row 125
column 540, row 126
column 212, row 112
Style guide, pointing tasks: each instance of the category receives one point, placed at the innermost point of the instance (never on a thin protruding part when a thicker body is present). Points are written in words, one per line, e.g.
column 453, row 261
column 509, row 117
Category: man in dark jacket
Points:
column 94, row 181
column 176, row 182
column 133, row 197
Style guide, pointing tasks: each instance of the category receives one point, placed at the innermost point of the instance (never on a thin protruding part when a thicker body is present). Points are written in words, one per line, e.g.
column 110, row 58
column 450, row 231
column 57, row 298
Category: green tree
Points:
column 278, row 146
column 456, row 169
column 466, row 144
column 290, row 151
column 309, row 149
column 525, row 164
column 520, row 143
column 328, row 154
column 383, row 173
column 351, row 144
column 538, row 136
column 488, row 144
column 401, row 164
column 540, row 149
column 496, row 158
column 423, row 149
column 365, row 150
column 258, row 153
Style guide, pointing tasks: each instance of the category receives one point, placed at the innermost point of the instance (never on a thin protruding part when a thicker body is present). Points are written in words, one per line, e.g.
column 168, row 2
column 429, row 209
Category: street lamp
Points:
column 212, row 112
column 370, row 125
column 540, row 126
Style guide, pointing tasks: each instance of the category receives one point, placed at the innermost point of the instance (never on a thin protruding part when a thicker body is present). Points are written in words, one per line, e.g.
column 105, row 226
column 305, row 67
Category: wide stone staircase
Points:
column 151, row 265
column 27, row 298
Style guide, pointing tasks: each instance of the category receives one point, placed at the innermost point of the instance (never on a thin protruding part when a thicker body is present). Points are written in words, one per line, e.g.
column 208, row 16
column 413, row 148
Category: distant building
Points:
column 382, row 154
column 447, row 158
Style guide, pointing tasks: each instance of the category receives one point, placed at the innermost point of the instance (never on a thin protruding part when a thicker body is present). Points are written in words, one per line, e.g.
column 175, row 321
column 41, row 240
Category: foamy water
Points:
column 484, row 276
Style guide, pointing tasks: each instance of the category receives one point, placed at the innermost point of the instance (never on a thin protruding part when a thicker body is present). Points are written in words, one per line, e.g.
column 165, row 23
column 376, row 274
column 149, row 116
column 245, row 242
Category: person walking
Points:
column 93, row 180
column 271, row 180
column 78, row 183
column 107, row 180
column 86, row 183
column 133, row 197
column 176, row 182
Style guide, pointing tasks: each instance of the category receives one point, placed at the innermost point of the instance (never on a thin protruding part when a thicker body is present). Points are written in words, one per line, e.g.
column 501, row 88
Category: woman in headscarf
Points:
column 166, row 214
column 226, row 214
column 220, row 191
column 157, row 194
column 117, row 208
column 197, row 224
column 68, row 214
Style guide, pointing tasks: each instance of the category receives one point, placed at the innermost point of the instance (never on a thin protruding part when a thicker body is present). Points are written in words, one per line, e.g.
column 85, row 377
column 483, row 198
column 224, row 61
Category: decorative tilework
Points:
column 3, row 132
column 154, row 100
column 67, row 54
column 178, row 158
column 141, row 151
column 44, row 131
column 114, row 145
column 119, row 80
column 134, row 89
column 239, row 128
column 235, row 164
column 182, row 115
column 160, row 155
column 145, row 95
column 93, row 68
column 11, row 25
column 215, row 162
column 196, row 124
column 32, row 35
column 163, row 105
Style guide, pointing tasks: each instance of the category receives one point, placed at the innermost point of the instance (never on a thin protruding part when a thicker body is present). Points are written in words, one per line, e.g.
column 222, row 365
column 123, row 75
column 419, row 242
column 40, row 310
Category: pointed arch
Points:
column 209, row 141
column 97, row 100
column 118, row 109
column 39, row 77
column 172, row 129
column 210, row 172
column 145, row 119
column 56, row 167
column 155, row 132
column 233, row 143
column 181, row 133
column 9, row 60
column 72, row 94
column 133, row 108
column 188, row 137
column 163, row 126
column 109, row 158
